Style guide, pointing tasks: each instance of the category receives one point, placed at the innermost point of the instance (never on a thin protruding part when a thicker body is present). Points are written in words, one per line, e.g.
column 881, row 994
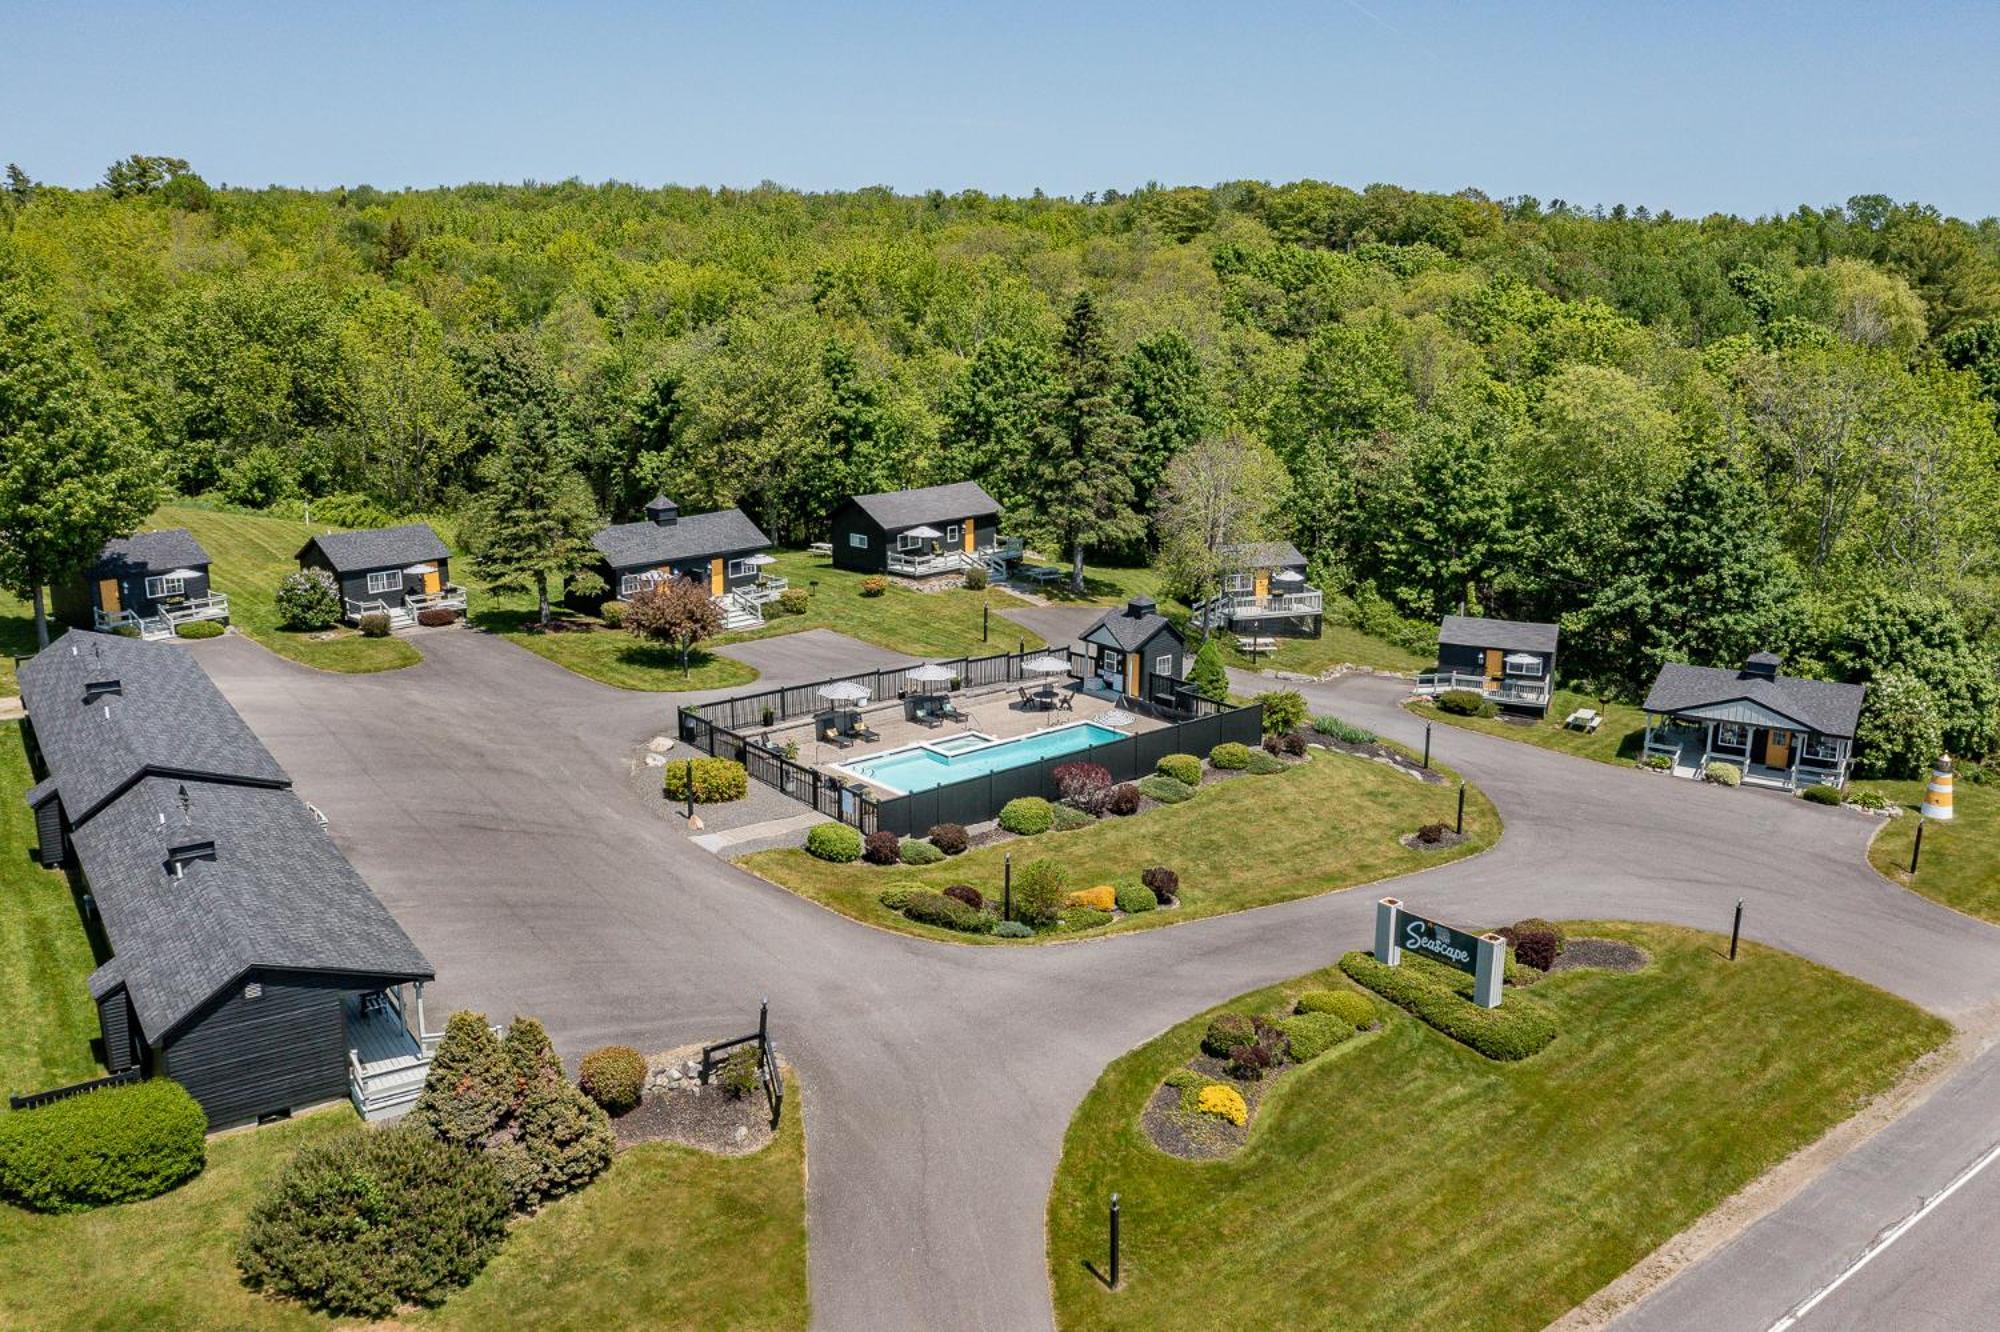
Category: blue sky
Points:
column 1695, row 107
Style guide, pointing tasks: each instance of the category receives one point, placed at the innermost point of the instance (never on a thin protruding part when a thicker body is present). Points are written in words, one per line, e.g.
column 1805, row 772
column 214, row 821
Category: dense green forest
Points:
column 1683, row 438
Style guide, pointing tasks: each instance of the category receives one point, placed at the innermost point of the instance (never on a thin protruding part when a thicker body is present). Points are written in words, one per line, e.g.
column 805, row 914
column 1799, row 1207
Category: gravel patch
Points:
column 1193, row 1136
column 677, row 1108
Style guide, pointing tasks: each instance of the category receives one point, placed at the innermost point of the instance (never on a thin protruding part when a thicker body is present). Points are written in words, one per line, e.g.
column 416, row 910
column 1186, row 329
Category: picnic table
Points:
column 821, row 548
column 1245, row 644
column 1586, row 720
column 1040, row 573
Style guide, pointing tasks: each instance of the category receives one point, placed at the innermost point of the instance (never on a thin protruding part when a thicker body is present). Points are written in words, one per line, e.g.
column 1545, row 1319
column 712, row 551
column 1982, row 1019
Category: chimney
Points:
column 1763, row 665
column 96, row 689
column 1140, row 607
column 662, row 512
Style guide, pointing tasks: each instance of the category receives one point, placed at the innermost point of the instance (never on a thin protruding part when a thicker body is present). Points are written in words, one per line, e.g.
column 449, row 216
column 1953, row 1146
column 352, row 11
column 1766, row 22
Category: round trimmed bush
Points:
column 1354, row 1009
column 898, row 897
column 1309, row 1035
column 1012, row 929
column 1134, row 898
column 613, row 614
column 950, row 838
column 1722, row 774
column 1261, row 764
column 835, row 842
column 1085, row 918
column 716, row 780
column 1226, row 1031
column 1123, row 800
column 1101, row 897
column 914, row 852
column 975, row 578
column 1536, row 947
column 308, row 599
column 1165, row 789
column 1230, row 756
column 113, row 1145
column 1067, row 818
column 1820, row 795
column 437, row 617
column 613, row 1076
column 946, row 912
column 793, row 600
column 874, row 585
column 375, row 624
column 1026, row 816
column 966, row 893
column 1183, row 768
column 1039, row 892
column 1466, row 703
column 1432, row 833
column 199, row 629
column 373, row 1219
column 1166, row 884
column 882, row 847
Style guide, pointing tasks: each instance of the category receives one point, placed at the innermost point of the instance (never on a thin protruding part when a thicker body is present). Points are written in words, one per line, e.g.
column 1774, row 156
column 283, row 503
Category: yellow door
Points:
column 1263, row 586
column 432, row 581
column 1132, row 674
column 971, row 537
column 1494, row 668
column 107, row 596
column 1778, row 751
column 716, row 584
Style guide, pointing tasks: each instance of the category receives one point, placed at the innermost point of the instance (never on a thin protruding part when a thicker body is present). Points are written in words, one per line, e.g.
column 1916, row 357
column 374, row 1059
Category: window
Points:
column 1525, row 665
column 253, row 990
column 628, row 585
column 1164, row 666
column 165, row 587
column 390, row 581
column 741, row 568
column 904, row 541
column 1823, row 747
column 1734, row 734
column 858, row 540
column 951, row 535
column 1237, row 582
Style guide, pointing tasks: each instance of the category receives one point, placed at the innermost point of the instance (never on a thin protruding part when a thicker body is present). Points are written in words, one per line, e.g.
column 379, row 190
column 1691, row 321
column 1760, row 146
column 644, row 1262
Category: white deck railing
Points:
column 1230, row 607
column 1511, row 689
column 952, row 561
column 214, row 606
column 449, row 597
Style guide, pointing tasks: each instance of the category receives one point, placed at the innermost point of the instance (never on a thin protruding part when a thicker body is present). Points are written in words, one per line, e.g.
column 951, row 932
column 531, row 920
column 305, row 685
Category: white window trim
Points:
column 1739, row 740
column 628, row 584
column 858, row 540
column 1530, row 668
column 953, row 535
column 741, row 568
column 390, row 580
column 1164, row 666
column 1822, row 746
column 1238, row 582
column 904, row 541
column 165, row 587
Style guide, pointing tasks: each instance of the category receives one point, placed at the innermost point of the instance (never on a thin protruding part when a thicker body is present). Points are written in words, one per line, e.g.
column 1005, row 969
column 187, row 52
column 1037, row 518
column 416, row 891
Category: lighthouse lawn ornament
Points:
column 1937, row 795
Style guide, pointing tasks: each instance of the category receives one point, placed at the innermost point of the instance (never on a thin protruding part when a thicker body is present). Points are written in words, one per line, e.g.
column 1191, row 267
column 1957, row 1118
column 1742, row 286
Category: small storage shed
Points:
column 1133, row 647
column 386, row 568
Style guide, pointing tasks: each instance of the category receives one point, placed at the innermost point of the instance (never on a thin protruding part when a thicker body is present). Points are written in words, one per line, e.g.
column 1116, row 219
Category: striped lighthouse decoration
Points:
column 1937, row 795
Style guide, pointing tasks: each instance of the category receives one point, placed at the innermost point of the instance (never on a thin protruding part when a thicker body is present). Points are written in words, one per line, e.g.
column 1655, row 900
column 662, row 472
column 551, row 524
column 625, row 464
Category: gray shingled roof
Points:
column 277, row 895
column 168, row 718
column 174, row 548
column 1507, row 635
column 894, row 510
column 1127, row 632
column 378, row 548
column 1826, row 706
column 1264, row 555
column 695, row 536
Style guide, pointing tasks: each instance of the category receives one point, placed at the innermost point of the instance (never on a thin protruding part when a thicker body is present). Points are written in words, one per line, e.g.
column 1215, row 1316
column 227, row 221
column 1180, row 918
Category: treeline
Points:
column 1684, row 438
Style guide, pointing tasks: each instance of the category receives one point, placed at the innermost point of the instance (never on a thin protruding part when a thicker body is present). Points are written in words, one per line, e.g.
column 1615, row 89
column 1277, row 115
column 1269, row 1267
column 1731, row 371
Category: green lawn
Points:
column 923, row 624
column 1411, row 1183
column 1343, row 816
column 1961, row 860
column 45, row 954
column 669, row 1237
column 17, row 639
column 1338, row 644
column 1618, row 740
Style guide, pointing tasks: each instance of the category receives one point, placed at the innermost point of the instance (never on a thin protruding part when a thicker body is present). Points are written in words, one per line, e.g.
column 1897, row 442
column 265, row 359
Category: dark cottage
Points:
column 1264, row 592
column 1512, row 662
column 924, row 532
column 1779, row 730
column 149, row 581
column 396, row 570
column 249, row 962
column 1136, row 651
column 723, row 551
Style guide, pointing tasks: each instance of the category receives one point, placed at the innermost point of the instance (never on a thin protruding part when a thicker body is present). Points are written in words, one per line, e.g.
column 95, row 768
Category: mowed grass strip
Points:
column 1332, row 822
column 669, row 1237
column 1960, row 866
column 923, row 624
column 1412, row 1183
column 45, row 953
column 1619, row 739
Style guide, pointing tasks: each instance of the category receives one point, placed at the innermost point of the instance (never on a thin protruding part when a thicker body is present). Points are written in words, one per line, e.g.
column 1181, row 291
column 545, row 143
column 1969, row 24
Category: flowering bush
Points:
column 1085, row 785
column 1224, row 1102
column 874, row 585
column 308, row 599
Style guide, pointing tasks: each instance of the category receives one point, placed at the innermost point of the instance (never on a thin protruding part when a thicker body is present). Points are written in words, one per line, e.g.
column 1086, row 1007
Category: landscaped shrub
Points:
column 1354, row 1009
column 614, row 1076
column 1039, row 890
column 716, row 780
column 835, row 842
column 373, row 1219
column 1536, row 947
column 1166, row 884
column 1284, row 709
column 1869, row 799
column 946, row 913
column 553, row 1139
column 1123, row 800
column 1012, row 929
column 1084, row 918
column 898, row 897
column 1466, row 703
column 1247, row 1063
column 1224, row 1102
column 740, row 1071
column 915, row 852
column 950, row 838
column 1226, row 1031
column 882, row 847
column 613, row 614
column 1084, row 785
column 308, row 599
column 1229, row 755
column 114, row 1145
column 1068, row 818
column 1164, row 789
column 375, row 624
column 1101, row 897
column 1510, row 932
column 1432, row 994
column 1657, row 762
column 1183, row 768
column 1723, row 774
column 1261, row 764
column 1189, row 1084
column 1133, row 898
column 1820, row 795
column 966, row 893
column 793, row 601
column 1432, row 833
column 199, row 629
column 1290, row 744
column 1336, row 729
column 874, row 585
column 1027, row 816
column 437, row 617
column 1309, row 1035
column 975, row 579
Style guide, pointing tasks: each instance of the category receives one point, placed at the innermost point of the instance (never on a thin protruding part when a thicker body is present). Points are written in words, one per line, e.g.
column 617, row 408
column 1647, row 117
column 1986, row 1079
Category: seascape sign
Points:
column 1438, row 942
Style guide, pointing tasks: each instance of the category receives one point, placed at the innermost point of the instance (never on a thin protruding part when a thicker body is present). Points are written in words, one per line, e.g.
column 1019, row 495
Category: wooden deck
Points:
column 386, row 1064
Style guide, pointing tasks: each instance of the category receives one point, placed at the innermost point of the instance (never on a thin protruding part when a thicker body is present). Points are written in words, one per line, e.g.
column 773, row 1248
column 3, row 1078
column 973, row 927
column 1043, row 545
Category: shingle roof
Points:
column 695, row 536
column 1128, row 632
column 278, row 894
column 1507, row 635
column 378, row 548
column 893, row 510
column 167, row 717
column 1826, row 706
column 173, row 548
column 1264, row 555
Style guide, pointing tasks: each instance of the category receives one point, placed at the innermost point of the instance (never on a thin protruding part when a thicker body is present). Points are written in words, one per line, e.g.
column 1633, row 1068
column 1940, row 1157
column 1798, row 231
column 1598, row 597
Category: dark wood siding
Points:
column 243, row 1058
column 114, row 1019
column 1464, row 660
column 53, row 842
column 847, row 520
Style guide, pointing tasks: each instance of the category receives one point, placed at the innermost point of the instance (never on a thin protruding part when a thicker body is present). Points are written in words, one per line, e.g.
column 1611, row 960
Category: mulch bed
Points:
column 1380, row 753
column 683, row 1111
column 1193, row 1136
column 1603, row 954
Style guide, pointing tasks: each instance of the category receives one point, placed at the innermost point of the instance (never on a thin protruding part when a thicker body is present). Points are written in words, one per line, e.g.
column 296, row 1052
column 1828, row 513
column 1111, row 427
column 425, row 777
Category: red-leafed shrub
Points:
column 882, row 847
column 1124, row 799
column 1537, row 947
column 950, row 838
column 1166, row 884
column 967, row 894
column 1084, row 785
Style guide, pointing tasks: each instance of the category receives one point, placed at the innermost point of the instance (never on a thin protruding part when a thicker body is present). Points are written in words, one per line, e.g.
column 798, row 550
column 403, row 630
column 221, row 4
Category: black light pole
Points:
column 1007, row 886
column 690, row 777
column 1461, row 807
column 1918, row 849
column 1736, row 930
column 1427, row 746
column 985, row 616
column 1114, row 1241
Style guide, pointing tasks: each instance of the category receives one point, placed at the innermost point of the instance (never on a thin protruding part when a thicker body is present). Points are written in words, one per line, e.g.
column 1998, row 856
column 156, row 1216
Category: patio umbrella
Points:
column 421, row 569
column 1114, row 717
column 923, row 533
column 760, row 559
column 182, row 573
column 1046, row 665
column 1288, row 576
column 931, row 674
column 844, row 691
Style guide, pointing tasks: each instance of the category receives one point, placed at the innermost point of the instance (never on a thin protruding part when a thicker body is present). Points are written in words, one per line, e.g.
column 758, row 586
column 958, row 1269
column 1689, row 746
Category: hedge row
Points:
column 1520, row 1027
column 114, row 1145
column 715, row 780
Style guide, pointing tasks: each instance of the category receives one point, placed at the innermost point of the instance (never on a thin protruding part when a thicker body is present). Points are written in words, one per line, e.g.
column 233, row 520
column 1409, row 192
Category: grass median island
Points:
column 1961, row 860
column 1342, row 821
column 1414, row 1183
column 1618, row 739
column 669, row 1236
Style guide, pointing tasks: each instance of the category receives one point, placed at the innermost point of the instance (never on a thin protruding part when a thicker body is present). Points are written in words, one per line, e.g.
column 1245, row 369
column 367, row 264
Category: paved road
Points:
column 486, row 796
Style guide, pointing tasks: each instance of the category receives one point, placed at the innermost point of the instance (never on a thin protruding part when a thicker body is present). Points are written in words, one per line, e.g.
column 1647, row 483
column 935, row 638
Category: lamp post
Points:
column 1114, row 1241
column 1007, row 886
column 1736, row 929
column 1427, row 746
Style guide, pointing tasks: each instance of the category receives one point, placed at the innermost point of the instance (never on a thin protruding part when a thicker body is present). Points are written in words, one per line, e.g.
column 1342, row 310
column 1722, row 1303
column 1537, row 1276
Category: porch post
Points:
column 420, row 1011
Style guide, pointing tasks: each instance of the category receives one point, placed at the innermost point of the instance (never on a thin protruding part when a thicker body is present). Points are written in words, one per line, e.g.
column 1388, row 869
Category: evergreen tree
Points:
column 535, row 517
column 1209, row 676
column 470, row 1089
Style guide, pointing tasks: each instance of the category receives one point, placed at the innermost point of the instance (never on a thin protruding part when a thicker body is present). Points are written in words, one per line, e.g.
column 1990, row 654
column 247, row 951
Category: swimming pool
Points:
column 932, row 763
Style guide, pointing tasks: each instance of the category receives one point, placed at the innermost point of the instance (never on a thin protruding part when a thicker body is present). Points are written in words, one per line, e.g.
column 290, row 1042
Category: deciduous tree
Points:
column 675, row 611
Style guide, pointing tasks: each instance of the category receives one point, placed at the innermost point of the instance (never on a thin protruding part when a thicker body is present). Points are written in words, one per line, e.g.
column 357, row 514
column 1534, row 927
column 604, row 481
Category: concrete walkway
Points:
column 486, row 796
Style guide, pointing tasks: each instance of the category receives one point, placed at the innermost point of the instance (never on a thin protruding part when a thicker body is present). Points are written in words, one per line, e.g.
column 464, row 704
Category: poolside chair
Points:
column 1065, row 701
column 948, row 710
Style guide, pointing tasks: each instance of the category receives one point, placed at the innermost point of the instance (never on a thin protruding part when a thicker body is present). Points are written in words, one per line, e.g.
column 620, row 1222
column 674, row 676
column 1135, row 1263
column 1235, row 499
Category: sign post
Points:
column 1386, row 951
column 1480, row 956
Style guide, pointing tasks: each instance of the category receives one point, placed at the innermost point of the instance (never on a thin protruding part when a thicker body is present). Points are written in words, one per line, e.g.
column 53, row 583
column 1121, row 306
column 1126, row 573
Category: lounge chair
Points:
column 948, row 710
column 1065, row 701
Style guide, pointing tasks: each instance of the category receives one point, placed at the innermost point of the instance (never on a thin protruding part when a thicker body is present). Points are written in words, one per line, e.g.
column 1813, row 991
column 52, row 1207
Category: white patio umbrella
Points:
column 1288, row 576
column 930, row 673
column 844, row 691
column 760, row 559
column 421, row 569
column 1114, row 717
column 1045, row 665
column 923, row 533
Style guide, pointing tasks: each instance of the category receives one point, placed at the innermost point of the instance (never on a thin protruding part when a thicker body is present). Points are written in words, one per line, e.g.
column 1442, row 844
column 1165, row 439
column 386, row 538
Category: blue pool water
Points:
column 960, row 757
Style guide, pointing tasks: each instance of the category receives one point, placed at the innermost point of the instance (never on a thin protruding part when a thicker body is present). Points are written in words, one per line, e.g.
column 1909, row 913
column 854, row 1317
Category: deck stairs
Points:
column 386, row 1065
column 739, row 612
column 155, row 627
column 401, row 617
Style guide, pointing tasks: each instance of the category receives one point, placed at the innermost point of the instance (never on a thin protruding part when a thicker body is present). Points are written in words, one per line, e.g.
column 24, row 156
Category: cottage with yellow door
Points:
column 1512, row 662
column 149, row 582
column 722, row 551
column 397, row 571
column 1136, row 652
column 923, row 532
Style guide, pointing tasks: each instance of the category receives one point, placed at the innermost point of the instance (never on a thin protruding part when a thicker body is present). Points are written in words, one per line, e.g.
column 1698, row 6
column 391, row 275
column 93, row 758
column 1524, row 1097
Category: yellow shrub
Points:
column 1224, row 1102
column 1101, row 898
